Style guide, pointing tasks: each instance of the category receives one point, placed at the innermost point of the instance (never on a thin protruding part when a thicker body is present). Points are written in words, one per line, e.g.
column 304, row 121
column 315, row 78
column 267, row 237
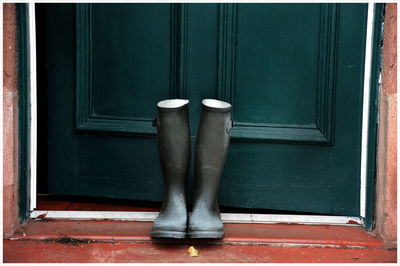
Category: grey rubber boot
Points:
column 173, row 137
column 211, row 150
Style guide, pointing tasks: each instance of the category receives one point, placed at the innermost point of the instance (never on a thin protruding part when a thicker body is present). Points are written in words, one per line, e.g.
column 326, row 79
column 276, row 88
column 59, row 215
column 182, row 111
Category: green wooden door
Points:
column 293, row 73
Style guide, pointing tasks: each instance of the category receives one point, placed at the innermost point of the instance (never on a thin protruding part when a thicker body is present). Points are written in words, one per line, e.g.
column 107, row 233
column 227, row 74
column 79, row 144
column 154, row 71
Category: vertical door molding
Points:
column 179, row 17
column 227, row 51
column 83, row 78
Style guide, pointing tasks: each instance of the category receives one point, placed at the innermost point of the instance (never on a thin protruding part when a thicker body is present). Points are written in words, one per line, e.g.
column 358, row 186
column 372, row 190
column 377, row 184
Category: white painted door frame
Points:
column 226, row 217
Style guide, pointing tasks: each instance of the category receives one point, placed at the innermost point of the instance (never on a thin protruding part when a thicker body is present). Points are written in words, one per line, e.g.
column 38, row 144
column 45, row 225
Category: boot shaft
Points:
column 211, row 149
column 173, row 139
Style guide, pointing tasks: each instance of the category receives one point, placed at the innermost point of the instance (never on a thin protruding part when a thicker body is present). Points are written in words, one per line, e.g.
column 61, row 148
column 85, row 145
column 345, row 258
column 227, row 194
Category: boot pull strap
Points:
column 156, row 122
column 229, row 126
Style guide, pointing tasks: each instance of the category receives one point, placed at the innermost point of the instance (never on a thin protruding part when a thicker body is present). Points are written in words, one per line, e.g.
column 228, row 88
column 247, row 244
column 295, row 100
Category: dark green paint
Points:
column 373, row 113
column 159, row 38
column 303, row 157
column 252, row 64
column 23, row 104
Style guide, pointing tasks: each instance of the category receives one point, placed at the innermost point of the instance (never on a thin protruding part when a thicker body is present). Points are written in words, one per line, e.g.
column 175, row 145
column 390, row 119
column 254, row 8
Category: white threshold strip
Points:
column 226, row 217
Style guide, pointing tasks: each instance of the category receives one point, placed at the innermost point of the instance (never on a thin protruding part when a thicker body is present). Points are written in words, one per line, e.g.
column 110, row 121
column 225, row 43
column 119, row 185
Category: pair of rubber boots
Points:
column 173, row 137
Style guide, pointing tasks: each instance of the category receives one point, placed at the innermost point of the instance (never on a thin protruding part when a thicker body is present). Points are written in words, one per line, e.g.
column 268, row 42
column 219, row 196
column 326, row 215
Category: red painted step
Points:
column 272, row 234
column 56, row 241
column 53, row 252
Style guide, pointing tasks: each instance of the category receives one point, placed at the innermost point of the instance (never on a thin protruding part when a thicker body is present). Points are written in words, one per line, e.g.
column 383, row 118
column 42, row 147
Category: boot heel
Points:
column 168, row 234
column 206, row 234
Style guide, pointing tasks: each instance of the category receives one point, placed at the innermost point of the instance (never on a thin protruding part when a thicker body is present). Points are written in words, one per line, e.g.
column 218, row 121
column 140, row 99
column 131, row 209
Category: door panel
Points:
column 293, row 73
column 138, row 36
column 280, row 51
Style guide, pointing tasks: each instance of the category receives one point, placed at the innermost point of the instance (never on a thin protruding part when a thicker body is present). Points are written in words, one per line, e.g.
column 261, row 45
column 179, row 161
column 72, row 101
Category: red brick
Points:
column 386, row 184
column 389, row 52
column 10, row 122
column 9, row 48
column 10, row 212
column 386, row 180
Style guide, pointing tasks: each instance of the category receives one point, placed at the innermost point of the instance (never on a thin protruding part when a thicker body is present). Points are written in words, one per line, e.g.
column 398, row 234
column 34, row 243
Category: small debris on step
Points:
column 193, row 252
column 42, row 216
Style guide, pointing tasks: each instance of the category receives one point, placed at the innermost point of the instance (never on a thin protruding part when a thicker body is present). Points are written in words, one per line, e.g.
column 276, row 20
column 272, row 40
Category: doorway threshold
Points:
column 226, row 217
column 66, row 208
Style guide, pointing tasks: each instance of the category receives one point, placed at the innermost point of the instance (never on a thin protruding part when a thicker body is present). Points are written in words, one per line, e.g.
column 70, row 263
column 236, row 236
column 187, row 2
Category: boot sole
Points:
column 206, row 234
column 168, row 234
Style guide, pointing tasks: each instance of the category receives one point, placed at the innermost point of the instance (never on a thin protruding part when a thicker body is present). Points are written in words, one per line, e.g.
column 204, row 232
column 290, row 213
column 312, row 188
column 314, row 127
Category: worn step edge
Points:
column 332, row 243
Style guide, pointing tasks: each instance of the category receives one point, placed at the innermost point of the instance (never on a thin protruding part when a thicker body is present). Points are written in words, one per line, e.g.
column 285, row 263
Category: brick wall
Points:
column 386, row 179
column 10, row 122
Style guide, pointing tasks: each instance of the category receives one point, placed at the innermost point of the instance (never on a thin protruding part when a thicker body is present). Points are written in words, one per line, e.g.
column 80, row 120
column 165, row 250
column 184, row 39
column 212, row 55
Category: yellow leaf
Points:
column 193, row 252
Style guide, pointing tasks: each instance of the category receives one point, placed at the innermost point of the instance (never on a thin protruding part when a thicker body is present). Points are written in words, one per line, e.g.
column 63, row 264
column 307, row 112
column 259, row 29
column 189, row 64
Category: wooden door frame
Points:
column 28, row 135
